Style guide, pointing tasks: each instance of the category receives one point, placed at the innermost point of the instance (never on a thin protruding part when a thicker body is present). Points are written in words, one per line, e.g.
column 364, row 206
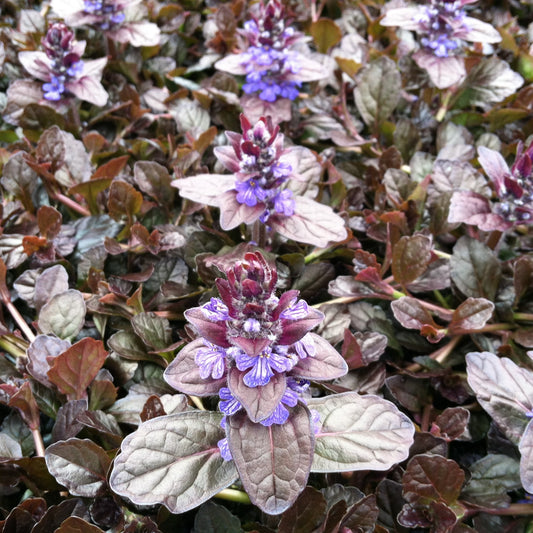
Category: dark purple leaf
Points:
column 326, row 364
column 184, row 374
column 80, row 465
column 412, row 315
column 451, row 423
column 56, row 514
column 173, row 460
column 306, row 515
column 261, row 401
column 214, row 518
column 214, row 332
column 294, row 330
column 74, row 369
column 432, row 478
column 67, row 424
column 410, row 258
column 390, row 501
column 362, row 516
column 153, row 330
column 75, row 524
column 273, row 461
column 411, row 393
column 471, row 315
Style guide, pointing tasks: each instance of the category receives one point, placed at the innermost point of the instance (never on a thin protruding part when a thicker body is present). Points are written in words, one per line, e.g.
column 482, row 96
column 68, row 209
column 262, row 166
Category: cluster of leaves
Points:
column 100, row 257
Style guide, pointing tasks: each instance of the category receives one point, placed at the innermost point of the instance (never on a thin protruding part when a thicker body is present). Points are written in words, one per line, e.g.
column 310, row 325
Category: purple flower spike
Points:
column 63, row 71
column 274, row 69
column 258, row 189
column 443, row 28
column 263, row 365
column 268, row 356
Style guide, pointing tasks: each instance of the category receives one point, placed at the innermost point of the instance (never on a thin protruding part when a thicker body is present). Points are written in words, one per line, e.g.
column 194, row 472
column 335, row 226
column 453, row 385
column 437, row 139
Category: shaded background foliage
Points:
column 101, row 257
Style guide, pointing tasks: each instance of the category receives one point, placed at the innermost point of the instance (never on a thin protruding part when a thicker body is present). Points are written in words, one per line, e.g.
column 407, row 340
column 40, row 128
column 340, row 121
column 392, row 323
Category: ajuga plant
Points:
column 120, row 20
column 258, row 190
column 443, row 26
column 271, row 59
column 256, row 353
column 63, row 71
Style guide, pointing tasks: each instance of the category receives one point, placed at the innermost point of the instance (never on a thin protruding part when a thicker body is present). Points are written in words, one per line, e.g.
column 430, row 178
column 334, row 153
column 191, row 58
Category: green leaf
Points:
column 63, row 315
column 378, row 92
column 173, row 460
column 213, row 518
column 273, row 461
column 325, row 34
column 74, row 369
column 475, row 269
column 490, row 479
column 359, row 433
column 79, row 465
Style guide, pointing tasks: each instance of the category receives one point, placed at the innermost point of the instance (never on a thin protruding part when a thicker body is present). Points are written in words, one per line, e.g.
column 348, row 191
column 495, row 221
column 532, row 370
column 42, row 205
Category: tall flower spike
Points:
column 251, row 350
column 257, row 190
column 272, row 66
column 120, row 20
column 443, row 26
column 63, row 71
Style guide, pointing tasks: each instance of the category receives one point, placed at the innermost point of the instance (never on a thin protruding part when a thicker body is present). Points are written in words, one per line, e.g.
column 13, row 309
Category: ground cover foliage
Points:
column 266, row 266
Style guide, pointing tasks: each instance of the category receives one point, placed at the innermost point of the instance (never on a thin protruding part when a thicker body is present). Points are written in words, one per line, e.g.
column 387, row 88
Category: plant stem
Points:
column 38, row 441
column 72, row 204
column 233, row 495
column 198, row 402
column 512, row 509
column 20, row 321
column 11, row 345
column 259, row 234
column 441, row 354
column 528, row 317
column 441, row 113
